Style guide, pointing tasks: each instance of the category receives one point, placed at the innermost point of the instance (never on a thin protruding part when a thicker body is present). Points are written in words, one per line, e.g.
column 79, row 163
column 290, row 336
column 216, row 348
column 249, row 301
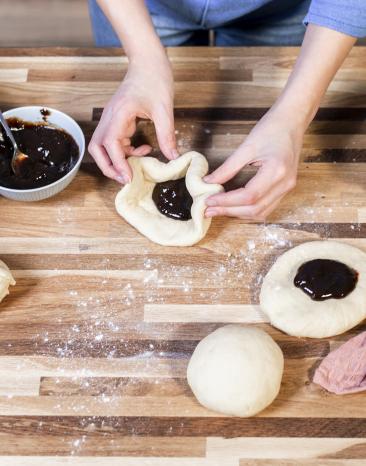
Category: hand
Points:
column 274, row 147
column 274, row 144
column 146, row 92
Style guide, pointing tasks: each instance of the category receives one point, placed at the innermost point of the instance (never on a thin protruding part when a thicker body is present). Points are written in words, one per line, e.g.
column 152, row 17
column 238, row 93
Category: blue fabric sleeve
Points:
column 347, row 16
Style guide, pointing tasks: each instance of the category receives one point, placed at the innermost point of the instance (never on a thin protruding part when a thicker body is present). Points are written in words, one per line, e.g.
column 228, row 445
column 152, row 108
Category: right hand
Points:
column 274, row 146
column 147, row 91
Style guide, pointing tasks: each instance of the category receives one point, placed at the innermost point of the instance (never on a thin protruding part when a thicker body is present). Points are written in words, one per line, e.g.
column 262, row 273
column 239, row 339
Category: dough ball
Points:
column 236, row 370
column 6, row 279
column 293, row 311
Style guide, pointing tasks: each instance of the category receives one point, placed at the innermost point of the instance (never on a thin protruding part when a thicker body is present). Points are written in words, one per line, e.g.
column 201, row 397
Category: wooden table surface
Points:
column 96, row 335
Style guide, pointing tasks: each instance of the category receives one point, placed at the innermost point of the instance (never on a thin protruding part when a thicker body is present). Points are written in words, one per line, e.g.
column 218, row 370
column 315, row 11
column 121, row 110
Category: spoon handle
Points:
column 8, row 132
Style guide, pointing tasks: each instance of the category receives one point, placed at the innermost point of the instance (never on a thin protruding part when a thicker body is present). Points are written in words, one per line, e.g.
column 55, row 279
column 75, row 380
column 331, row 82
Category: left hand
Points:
column 273, row 146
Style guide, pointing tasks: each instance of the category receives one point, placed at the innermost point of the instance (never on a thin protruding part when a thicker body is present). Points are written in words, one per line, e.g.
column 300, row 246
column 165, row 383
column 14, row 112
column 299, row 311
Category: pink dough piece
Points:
column 344, row 369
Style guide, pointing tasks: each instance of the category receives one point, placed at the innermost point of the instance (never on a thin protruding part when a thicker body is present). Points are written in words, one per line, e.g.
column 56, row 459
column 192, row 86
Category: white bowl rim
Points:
column 74, row 168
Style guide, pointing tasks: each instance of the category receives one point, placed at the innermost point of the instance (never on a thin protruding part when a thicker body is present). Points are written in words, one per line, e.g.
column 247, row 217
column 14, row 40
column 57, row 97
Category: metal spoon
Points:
column 18, row 156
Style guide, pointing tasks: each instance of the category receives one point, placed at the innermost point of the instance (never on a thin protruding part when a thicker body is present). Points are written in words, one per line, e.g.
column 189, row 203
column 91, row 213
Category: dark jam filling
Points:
column 323, row 279
column 173, row 200
column 52, row 154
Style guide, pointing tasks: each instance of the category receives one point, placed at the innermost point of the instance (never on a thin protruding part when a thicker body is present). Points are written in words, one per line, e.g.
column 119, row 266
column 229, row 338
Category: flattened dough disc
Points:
column 294, row 312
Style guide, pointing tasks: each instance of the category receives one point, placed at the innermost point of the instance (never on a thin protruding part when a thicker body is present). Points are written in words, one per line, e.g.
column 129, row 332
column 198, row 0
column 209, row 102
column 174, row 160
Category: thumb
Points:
column 232, row 165
column 165, row 132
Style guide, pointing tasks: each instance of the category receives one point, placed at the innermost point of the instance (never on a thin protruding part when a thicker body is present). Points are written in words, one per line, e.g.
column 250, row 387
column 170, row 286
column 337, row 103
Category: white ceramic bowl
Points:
column 63, row 121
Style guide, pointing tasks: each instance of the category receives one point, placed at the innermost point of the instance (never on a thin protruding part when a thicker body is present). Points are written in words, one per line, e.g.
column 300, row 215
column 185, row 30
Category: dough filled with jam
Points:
column 316, row 289
column 159, row 204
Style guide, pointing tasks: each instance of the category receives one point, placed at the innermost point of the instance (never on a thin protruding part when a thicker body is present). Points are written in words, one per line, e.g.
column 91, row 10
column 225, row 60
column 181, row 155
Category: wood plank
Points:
column 223, row 114
column 19, row 385
column 24, row 332
column 113, row 461
column 287, row 448
column 13, row 75
column 303, row 462
column 107, row 340
column 64, row 444
column 356, row 56
column 204, row 73
column 119, row 274
column 279, row 235
column 279, row 430
column 239, row 313
column 113, row 386
column 91, row 367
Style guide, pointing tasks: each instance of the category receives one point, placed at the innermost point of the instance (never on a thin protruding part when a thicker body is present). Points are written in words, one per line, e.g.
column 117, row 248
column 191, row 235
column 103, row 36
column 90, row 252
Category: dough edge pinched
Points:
column 135, row 205
column 6, row 279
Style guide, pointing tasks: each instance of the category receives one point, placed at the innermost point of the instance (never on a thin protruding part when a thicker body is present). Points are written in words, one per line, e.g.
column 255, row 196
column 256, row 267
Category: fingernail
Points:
column 210, row 212
column 207, row 178
column 123, row 179
column 211, row 202
column 175, row 154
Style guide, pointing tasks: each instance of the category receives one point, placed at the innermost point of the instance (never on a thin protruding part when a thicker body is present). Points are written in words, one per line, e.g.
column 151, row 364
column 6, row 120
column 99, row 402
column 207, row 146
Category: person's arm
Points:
column 146, row 92
column 274, row 144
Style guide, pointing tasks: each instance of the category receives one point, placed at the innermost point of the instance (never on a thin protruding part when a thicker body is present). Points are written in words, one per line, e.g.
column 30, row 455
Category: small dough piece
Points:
column 236, row 370
column 294, row 312
column 134, row 202
column 6, row 279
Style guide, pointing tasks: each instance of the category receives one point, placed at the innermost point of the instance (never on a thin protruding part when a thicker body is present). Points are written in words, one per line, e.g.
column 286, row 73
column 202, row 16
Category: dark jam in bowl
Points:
column 173, row 200
column 324, row 279
column 52, row 154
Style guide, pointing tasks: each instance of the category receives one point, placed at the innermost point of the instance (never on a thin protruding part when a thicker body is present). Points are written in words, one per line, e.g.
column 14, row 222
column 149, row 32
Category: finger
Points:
column 262, row 182
column 117, row 156
column 141, row 150
column 267, row 212
column 128, row 150
column 137, row 151
column 258, row 211
column 116, row 137
column 232, row 165
column 101, row 158
column 164, row 127
column 237, row 211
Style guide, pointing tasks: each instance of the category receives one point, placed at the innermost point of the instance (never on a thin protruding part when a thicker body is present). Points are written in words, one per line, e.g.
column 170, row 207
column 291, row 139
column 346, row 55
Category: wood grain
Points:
column 96, row 336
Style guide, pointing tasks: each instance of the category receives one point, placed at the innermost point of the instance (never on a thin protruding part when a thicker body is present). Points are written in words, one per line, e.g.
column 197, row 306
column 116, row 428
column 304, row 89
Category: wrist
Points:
column 155, row 67
column 296, row 111
column 145, row 56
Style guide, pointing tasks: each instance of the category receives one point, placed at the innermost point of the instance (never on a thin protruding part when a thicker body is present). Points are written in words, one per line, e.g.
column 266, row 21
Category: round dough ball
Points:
column 294, row 312
column 6, row 279
column 236, row 370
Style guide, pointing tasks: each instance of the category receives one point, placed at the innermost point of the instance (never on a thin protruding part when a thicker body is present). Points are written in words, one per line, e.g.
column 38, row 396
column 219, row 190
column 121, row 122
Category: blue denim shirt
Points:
column 252, row 22
column 348, row 16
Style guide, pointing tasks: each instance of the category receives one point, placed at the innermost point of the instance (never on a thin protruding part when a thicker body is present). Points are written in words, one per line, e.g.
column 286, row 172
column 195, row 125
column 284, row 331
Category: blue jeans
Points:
column 264, row 27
